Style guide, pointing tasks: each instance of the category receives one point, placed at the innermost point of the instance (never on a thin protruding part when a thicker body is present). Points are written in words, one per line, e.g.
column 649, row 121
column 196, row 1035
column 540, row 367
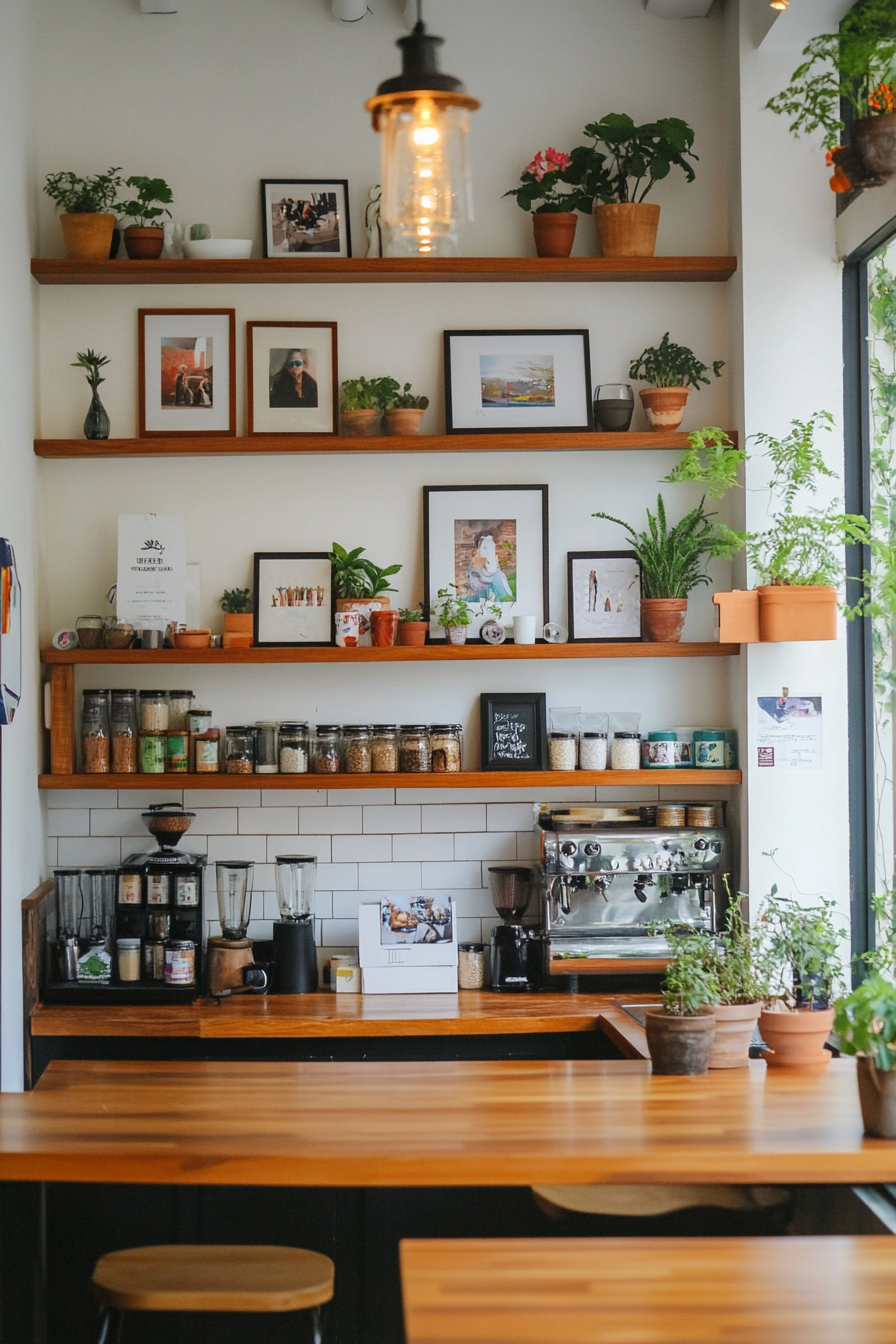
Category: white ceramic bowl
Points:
column 207, row 249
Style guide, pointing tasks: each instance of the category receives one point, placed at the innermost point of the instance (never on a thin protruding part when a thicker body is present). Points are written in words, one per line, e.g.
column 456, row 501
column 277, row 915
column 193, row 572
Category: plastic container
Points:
column 266, row 756
column 153, row 749
column 177, row 751
column 471, row 966
column 179, row 703
column 205, row 749
column 593, row 751
column 123, row 721
column 128, row 952
column 709, row 749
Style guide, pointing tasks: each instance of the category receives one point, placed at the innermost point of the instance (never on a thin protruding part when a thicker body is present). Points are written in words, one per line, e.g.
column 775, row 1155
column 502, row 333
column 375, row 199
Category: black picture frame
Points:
column 614, row 573
column 298, row 190
column 466, row 411
column 527, row 711
column 317, row 570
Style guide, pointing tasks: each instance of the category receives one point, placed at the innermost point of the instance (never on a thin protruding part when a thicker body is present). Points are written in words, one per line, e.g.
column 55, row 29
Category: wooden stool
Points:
column 211, row 1278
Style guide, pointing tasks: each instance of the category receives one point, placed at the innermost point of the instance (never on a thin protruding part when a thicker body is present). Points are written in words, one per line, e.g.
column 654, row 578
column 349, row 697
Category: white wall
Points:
column 21, row 842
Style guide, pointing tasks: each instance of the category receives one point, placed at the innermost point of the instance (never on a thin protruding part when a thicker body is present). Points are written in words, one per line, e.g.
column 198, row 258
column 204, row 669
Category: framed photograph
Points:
column 187, row 381
column 491, row 541
column 293, row 377
column 604, row 596
column 307, row 216
column 294, row 599
column 528, row 381
column 514, row 731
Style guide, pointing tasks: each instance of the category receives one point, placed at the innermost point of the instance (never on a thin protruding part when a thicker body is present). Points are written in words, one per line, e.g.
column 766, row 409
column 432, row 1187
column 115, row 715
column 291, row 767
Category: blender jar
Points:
column 295, row 884
column 67, row 887
column 234, row 878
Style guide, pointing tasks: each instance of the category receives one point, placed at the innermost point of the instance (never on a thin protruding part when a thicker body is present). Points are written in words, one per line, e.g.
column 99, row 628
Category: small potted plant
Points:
column 363, row 402
column 619, row 169
column 865, row 1025
column 236, row 604
column 144, row 239
column 96, row 422
column 554, row 220
column 453, row 615
column 672, row 561
column 680, row 1034
column 734, row 957
column 671, row 371
column 404, row 411
column 800, row 955
column 412, row 625
column 356, row 579
column 86, row 206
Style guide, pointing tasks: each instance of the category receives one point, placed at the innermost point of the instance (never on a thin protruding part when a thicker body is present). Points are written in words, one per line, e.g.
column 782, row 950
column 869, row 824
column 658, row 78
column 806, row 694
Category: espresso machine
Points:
column 516, row 962
column 610, row 872
column 295, row 955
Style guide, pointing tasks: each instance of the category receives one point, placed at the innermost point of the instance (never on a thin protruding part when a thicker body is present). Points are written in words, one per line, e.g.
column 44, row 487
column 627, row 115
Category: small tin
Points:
column 205, row 748
column 158, row 891
column 154, row 960
column 703, row 816
column 660, row 753
column 180, row 962
column 199, row 721
column 177, row 757
column 187, row 894
column 709, row 749
column 153, row 750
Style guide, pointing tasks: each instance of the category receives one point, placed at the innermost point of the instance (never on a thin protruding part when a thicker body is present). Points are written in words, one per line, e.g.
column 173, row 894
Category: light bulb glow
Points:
column 779, row 4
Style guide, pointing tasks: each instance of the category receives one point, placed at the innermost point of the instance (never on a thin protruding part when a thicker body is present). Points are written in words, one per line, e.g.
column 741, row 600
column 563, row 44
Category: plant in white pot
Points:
column 670, row 371
column 801, row 956
column 680, row 1034
column 865, row 1025
column 453, row 615
column 86, row 206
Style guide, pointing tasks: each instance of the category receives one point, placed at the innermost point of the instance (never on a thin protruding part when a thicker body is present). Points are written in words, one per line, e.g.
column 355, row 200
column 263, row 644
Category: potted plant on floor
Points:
column 358, row 580
column 404, row 411
column 865, row 1025
column 363, row 402
column 671, row 561
column 412, row 625
column 236, row 604
column 86, row 206
column 619, row 169
column 96, row 421
column 680, row 1034
column 800, row 955
column 453, row 615
column 554, row 220
column 144, row 239
column 670, row 371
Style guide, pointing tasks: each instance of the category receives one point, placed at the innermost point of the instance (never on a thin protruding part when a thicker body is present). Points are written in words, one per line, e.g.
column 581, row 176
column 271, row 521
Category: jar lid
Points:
column 129, row 943
column 385, row 727
column 287, row 727
column 414, row 728
column 634, row 735
column 181, row 695
column 66, row 872
column 662, row 735
column 153, row 732
column 708, row 734
column 328, row 728
column 147, row 694
column 180, row 944
column 561, row 735
column 445, row 728
column 356, row 727
column 124, row 690
column 86, row 693
column 237, row 728
column 469, row 947
column 594, row 735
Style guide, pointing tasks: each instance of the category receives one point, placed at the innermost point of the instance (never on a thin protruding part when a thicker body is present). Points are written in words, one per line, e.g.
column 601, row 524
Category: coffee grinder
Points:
column 515, row 961
column 229, row 953
column 295, row 955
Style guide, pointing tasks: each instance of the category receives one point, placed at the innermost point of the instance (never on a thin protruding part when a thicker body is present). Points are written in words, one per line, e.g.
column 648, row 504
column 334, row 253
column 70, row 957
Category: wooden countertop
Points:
column 422, row 1124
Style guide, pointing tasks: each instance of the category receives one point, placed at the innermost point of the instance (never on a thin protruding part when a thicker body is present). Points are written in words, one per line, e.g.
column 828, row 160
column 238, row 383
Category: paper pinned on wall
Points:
column 152, row 567
column 789, row 732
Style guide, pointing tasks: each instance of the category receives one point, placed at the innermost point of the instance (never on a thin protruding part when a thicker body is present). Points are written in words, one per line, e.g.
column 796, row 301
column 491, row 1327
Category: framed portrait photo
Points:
column 294, row 600
column 514, row 730
column 305, row 217
column 491, row 542
column 186, row 371
column 292, row 377
column 517, row 380
column 604, row 595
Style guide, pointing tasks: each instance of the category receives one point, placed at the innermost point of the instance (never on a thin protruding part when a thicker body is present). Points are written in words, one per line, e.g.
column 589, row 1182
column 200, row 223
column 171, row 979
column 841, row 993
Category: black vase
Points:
column 96, row 421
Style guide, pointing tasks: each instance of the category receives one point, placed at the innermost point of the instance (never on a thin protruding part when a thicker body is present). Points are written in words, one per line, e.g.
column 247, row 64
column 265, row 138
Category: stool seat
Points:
column 213, row 1278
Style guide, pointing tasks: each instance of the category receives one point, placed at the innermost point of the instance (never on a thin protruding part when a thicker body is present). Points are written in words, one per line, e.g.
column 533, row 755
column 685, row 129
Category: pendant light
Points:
column 423, row 118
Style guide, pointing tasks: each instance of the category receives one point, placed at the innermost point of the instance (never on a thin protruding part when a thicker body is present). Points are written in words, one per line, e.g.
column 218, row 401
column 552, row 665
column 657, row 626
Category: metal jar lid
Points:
column 471, row 947
column 180, row 945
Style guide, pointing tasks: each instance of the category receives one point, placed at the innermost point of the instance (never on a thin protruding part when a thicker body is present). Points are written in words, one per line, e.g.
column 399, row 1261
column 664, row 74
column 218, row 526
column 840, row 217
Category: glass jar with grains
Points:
column 154, row 711
column 239, row 750
column 356, row 755
column 445, row 744
column 95, row 732
column 123, row 715
column 179, row 703
column 293, row 748
column 625, row 753
column 562, row 751
column 384, row 748
column 327, row 751
column 415, row 753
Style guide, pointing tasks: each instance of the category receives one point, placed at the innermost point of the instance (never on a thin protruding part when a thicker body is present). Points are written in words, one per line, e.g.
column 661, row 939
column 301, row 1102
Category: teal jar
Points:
column 709, row 749
column 730, row 748
column 661, row 750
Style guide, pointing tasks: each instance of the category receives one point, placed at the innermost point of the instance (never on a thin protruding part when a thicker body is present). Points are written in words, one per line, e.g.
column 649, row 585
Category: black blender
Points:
column 295, row 955
column 515, row 960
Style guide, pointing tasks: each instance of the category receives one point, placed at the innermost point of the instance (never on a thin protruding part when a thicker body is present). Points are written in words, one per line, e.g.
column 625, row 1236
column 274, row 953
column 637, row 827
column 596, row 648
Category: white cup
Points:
column 348, row 979
column 348, row 629
column 524, row 629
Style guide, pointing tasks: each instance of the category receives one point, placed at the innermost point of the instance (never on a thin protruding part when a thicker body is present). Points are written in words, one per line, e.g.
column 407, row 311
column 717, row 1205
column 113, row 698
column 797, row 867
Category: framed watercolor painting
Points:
column 305, row 217
column 293, row 377
column 294, row 599
column 525, row 381
column 604, row 596
column 186, row 371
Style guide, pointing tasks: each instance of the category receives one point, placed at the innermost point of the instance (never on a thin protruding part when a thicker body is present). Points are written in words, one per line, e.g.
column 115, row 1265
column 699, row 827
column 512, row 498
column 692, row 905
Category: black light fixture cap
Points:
column 420, row 66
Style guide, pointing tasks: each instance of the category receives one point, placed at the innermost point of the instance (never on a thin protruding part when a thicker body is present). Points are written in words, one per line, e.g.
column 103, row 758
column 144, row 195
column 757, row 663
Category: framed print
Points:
column 604, row 596
column 306, row 216
column 292, row 377
column 294, row 600
column 186, row 371
column 517, row 380
column 514, row 731
column 491, row 541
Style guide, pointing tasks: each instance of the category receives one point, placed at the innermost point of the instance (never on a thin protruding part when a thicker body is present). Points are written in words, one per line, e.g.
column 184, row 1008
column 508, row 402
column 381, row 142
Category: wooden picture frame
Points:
column 514, row 730
column 285, row 204
column 187, row 371
column 522, row 382
column 603, row 597
column 277, row 403
column 303, row 600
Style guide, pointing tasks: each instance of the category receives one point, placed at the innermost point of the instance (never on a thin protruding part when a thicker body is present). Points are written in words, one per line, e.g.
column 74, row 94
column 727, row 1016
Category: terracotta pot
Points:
column 403, row 420
column 870, row 158
column 87, row 237
column 664, row 406
column 796, row 1040
column 789, row 612
column 734, row 1031
column 238, row 630
column 679, row 1045
column 626, row 230
column 360, row 424
column 555, row 233
column 412, row 632
column 877, row 1097
column 662, row 619
column 456, row 634
column 383, row 627
column 144, row 244
column 738, row 616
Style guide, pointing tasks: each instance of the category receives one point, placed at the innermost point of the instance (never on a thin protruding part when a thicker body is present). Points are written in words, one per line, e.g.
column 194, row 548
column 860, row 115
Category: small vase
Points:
column 96, row 421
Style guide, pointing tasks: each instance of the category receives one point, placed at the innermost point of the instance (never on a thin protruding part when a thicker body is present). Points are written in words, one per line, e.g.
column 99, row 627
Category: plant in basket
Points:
column 86, row 208
column 552, row 209
column 680, row 1033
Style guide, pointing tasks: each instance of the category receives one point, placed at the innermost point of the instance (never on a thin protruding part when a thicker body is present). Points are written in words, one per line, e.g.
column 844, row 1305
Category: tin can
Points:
column 153, row 748
column 187, row 891
column 205, row 752
column 709, row 749
column 154, row 960
column 661, row 751
column 158, row 891
column 199, row 721
column 177, row 757
column 180, row 962
column 130, row 889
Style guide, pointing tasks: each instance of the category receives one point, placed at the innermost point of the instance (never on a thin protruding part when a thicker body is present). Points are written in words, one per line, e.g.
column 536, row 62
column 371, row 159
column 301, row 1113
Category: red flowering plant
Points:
column 540, row 182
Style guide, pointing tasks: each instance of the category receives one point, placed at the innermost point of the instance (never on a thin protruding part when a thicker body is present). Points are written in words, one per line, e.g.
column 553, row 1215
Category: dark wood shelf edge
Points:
column 432, row 653
column 473, row 779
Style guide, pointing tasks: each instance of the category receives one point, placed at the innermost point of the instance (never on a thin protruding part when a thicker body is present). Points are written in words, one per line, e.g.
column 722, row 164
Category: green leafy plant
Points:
column 711, row 461
column 91, row 361
column 800, row 948
column 689, row 983
column 84, row 195
column 846, row 66
column 356, row 577
column 541, row 181
column 411, row 613
column 670, row 365
column 402, row 398
column 142, row 208
column 236, row 601
column 624, row 161
column 672, row 559
column 453, row 610
column 865, row 1021
column 367, row 394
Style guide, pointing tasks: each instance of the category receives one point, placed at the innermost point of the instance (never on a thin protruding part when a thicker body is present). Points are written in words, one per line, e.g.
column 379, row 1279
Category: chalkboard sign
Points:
column 514, row 731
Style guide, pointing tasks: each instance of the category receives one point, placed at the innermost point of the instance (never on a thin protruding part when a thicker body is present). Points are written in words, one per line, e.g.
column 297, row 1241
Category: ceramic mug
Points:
column 348, row 629
column 524, row 629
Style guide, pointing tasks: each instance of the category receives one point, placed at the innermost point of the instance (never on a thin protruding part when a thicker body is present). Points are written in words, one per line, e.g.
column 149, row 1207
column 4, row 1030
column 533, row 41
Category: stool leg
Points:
column 105, row 1318
column 317, row 1332
column 119, row 1329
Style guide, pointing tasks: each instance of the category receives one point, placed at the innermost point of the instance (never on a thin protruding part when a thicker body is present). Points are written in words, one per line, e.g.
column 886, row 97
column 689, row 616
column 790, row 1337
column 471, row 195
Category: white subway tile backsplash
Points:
column 454, row 817
column 214, row 821
column 250, row 847
column 528, row 846
column 143, row 799
column 412, row 848
column 354, row 848
column 485, row 845
column 51, row 853
column 294, row 798
column 454, row 875
column 361, row 797
column 78, row 798
column 116, row 821
column 195, row 798
column 526, row 795
column 345, row 903
column 510, row 816
column 263, row 820
column 68, row 821
column 339, row 934
column 389, row 876
column 264, row 877
column 469, row 930
column 323, row 908
column 267, row 904
column 330, row 820
column 565, row 793
column 391, row 820
column 260, row 930
column 338, row 876
column 88, row 852
column 318, row 845
column 474, row 903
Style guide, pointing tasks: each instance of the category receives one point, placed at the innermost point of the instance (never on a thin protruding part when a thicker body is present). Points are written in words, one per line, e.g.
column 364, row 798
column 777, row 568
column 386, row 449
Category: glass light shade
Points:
column 425, row 176
column 295, row 884
column 235, row 879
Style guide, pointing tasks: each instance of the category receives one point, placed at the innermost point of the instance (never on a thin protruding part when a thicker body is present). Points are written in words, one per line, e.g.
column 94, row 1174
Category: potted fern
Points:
column 671, row 371
column 672, row 560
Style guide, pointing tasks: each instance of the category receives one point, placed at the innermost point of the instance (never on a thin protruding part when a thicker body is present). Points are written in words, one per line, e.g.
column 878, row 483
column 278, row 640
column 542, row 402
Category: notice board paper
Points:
column 789, row 732
column 152, row 565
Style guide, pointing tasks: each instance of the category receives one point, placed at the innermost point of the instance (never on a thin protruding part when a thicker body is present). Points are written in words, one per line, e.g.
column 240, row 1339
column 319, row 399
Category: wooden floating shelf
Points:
column 468, row 779
column 189, row 445
column 383, row 270
column 429, row 653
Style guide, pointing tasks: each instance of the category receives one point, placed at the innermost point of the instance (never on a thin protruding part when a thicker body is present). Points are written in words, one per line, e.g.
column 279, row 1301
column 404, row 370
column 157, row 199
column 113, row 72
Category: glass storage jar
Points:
column 177, row 753
column 239, row 750
column 626, row 751
column 154, row 711
column 266, row 748
column 445, row 744
column 205, row 752
column 327, row 751
column 179, row 703
column 471, row 965
column 95, row 732
column 293, row 748
column 384, row 748
column 356, row 753
column 593, row 751
column 199, row 721
column 123, row 717
column 153, row 750
column 562, row 754
column 415, row 753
